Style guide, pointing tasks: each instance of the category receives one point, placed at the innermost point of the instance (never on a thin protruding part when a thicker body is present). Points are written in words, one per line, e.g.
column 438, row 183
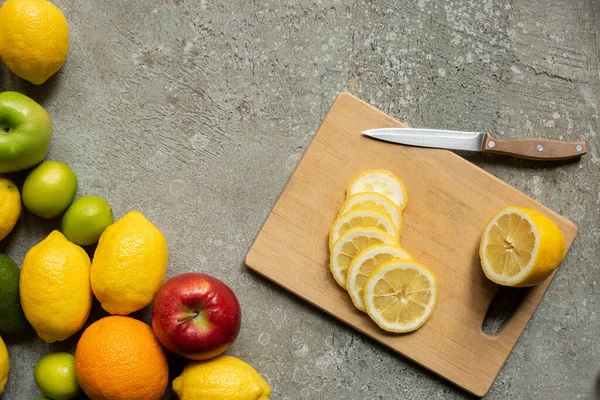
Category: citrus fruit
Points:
column 34, row 40
column 364, row 218
column 119, row 358
column 54, row 375
column 10, row 206
column 12, row 319
column 130, row 264
column 521, row 247
column 380, row 181
column 49, row 189
column 349, row 244
column 222, row 378
column 86, row 219
column 375, row 201
column 55, row 287
column 4, row 365
column 364, row 263
column 400, row 295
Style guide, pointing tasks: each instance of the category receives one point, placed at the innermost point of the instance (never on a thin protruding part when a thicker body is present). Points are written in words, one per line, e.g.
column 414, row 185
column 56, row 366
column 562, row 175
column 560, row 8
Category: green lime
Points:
column 12, row 319
column 86, row 219
column 55, row 376
column 49, row 189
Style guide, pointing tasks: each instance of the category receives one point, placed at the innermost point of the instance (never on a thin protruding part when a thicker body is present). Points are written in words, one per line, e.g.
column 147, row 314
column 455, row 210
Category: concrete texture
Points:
column 195, row 112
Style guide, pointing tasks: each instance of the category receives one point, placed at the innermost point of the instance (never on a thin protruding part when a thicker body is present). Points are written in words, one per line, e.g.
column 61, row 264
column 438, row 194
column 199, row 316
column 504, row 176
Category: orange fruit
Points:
column 119, row 358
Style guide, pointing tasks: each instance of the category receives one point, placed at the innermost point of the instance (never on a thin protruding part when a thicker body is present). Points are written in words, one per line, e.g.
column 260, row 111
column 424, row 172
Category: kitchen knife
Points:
column 532, row 149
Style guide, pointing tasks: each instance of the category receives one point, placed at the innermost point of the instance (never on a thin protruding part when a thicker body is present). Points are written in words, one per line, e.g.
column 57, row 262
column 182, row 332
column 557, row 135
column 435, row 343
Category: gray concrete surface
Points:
column 195, row 112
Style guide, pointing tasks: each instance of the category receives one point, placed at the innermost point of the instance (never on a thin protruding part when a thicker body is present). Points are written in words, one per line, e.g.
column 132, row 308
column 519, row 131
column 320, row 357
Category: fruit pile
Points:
column 194, row 315
column 366, row 259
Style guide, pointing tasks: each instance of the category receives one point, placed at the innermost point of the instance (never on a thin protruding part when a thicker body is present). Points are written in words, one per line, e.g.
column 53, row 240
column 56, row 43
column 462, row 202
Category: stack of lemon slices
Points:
column 366, row 259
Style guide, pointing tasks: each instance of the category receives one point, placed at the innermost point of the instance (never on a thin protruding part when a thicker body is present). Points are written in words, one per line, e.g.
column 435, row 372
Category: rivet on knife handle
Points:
column 534, row 149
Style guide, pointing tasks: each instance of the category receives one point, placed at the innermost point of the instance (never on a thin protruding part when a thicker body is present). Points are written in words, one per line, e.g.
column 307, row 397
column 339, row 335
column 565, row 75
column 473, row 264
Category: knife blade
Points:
column 533, row 149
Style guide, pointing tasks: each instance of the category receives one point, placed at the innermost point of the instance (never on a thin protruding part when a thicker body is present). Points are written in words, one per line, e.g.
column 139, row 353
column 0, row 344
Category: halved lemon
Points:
column 400, row 295
column 362, row 219
column 375, row 201
column 521, row 247
column 349, row 244
column 380, row 181
column 364, row 264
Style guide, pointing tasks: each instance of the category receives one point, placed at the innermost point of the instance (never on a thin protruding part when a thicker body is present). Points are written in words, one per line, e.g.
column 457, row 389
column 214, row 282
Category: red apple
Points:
column 196, row 316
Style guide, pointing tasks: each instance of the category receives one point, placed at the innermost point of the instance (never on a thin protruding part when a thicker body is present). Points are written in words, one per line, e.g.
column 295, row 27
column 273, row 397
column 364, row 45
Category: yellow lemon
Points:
column 380, row 181
column 4, row 365
column 54, row 287
column 376, row 202
column 400, row 295
column 129, row 265
column 34, row 39
column 10, row 206
column 364, row 263
column 521, row 247
column 348, row 245
column 364, row 218
column 222, row 378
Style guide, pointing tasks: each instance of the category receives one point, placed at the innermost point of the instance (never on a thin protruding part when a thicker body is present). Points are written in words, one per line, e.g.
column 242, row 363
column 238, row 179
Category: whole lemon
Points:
column 49, row 189
column 129, row 265
column 55, row 287
column 10, row 206
column 4, row 365
column 34, row 39
column 119, row 358
column 222, row 378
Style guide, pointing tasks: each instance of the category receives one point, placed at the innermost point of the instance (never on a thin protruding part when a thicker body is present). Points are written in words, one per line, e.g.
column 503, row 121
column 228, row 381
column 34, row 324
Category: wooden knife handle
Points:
column 534, row 149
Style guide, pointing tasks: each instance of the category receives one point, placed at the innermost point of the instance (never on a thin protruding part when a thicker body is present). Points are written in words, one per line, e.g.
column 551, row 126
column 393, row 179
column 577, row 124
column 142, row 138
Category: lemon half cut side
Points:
column 521, row 247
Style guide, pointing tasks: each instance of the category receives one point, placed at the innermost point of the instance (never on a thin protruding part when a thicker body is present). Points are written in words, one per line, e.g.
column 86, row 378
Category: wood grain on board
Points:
column 450, row 201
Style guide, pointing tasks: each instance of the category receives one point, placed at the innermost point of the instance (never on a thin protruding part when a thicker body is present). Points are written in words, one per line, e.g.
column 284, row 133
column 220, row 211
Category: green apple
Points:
column 25, row 132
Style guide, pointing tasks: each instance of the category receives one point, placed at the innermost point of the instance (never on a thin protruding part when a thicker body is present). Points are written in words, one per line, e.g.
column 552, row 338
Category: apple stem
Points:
column 189, row 317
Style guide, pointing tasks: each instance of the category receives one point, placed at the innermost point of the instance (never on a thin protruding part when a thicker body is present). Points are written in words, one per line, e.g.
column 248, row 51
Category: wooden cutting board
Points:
column 450, row 201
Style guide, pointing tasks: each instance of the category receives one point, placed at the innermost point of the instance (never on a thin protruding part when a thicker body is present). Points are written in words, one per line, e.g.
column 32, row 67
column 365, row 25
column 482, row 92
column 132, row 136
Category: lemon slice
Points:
column 375, row 201
column 400, row 295
column 364, row 218
column 380, row 181
column 364, row 264
column 521, row 247
column 349, row 244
